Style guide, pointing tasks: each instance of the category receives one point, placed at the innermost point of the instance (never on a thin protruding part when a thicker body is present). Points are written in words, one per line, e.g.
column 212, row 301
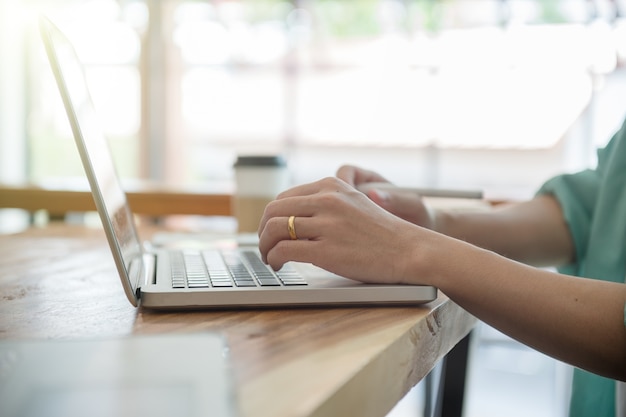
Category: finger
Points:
column 347, row 173
column 277, row 230
column 285, row 207
column 391, row 198
column 406, row 205
column 367, row 187
column 271, row 234
column 291, row 250
column 380, row 197
column 300, row 200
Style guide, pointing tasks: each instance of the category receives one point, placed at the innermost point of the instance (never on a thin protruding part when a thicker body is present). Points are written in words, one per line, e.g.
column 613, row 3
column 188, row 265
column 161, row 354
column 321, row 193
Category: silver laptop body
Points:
column 158, row 279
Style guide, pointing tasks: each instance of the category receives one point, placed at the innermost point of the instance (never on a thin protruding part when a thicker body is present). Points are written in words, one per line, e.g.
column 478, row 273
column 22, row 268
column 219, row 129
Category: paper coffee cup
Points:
column 258, row 179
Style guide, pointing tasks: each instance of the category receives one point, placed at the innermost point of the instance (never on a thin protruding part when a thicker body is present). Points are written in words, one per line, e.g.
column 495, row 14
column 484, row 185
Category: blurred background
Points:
column 463, row 93
column 495, row 95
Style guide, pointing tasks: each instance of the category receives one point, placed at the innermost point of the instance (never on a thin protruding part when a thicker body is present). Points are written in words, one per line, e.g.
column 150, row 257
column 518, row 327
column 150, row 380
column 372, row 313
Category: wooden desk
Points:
column 60, row 282
column 147, row 200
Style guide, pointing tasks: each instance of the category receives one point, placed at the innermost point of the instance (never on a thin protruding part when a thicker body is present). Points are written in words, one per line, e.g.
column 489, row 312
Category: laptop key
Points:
column 221, row 284
column 178, row 283
column 198, row 284
column 197, row 276
column 289, row 276
column 177, row 269
column 268, row 282
column 245, row 283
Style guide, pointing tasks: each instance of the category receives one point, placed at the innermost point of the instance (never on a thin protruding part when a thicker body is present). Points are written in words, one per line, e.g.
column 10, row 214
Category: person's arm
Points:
column 341, row 230
column 533, row 232
column 579, row 321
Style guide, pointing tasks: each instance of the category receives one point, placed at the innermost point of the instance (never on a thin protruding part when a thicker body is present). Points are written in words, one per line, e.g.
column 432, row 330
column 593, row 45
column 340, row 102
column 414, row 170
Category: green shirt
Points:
column 594, row 205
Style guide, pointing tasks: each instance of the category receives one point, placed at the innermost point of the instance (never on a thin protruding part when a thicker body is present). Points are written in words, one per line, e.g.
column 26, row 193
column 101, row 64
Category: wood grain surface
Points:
column 60, row 282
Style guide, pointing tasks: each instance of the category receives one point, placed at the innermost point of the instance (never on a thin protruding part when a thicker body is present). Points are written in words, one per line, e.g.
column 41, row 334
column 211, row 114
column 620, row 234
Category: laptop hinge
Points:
column 149, row 270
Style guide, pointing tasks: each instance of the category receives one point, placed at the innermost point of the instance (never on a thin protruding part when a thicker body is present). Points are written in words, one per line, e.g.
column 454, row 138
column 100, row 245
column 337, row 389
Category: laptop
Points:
column 220, row 277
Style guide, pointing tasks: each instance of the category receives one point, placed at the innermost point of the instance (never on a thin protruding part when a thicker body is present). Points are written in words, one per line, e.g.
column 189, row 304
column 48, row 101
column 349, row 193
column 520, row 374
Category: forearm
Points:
column 340, row 229
column 579, row 321
column 533, row 232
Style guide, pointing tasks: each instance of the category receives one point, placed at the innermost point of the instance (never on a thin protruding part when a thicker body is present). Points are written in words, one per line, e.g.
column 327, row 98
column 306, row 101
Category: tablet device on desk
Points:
column 153, row 376
column 231, row 276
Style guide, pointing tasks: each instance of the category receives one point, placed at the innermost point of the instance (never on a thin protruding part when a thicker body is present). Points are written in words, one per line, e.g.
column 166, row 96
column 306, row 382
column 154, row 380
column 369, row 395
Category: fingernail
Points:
column 383, row 195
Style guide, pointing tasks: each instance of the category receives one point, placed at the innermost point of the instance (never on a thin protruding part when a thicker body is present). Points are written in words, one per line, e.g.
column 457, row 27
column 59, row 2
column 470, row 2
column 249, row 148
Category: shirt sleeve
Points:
column 577, row 195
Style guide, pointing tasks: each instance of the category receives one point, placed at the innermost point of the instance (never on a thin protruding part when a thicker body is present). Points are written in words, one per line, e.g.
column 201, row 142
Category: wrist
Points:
column 422, row 262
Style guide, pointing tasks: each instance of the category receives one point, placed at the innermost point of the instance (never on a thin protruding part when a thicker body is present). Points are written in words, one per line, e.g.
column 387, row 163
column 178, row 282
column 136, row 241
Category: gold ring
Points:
column 291, row 228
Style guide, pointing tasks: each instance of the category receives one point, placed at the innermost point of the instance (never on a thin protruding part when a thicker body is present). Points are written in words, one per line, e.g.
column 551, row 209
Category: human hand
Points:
column 357, row 177
column 406, row 205
column 339, row 229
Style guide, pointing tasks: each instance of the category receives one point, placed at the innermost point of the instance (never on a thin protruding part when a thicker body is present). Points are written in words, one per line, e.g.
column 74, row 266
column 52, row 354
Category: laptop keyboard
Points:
column 227, row 269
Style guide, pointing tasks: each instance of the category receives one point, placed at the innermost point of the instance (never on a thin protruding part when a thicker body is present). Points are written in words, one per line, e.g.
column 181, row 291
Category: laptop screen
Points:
column 96, row 157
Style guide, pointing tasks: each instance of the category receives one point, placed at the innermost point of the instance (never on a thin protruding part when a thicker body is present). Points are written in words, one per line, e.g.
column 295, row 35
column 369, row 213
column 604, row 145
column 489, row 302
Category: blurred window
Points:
column 243, row 76
column 105, row 37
